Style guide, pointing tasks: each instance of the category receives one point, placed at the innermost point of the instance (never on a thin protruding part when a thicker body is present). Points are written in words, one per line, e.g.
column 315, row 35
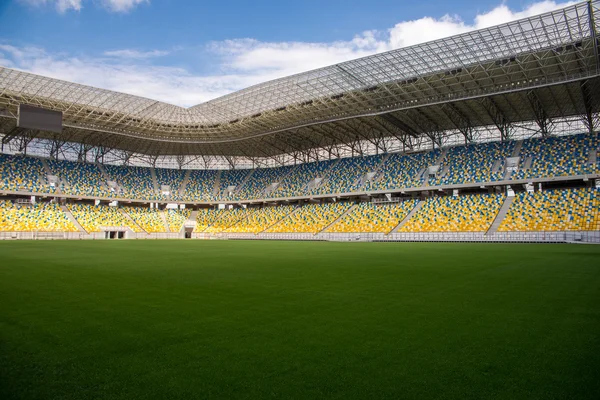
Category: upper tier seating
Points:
column 38, row 217
column 401, row 171
column 172, row 178
column 312, row 218
column 80, row 179
column 469, row 213
column 25, row 174
column 176, row 218
column 231, row 177
column 260, row 220
column 371, row 217
column 554, row 210
column 93, row 218
column 200, row 186
column 149, row 219
column 345, row 175
column 557, row 156
column 134, row 182
column 474, row 163
column 295, row 183
column 255, row 187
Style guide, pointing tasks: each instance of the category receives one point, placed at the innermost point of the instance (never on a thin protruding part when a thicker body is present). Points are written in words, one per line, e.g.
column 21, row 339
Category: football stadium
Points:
column 417, row 223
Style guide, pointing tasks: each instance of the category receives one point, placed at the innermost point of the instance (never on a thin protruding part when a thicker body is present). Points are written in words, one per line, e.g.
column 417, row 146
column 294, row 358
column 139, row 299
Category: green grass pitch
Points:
column 298, row 320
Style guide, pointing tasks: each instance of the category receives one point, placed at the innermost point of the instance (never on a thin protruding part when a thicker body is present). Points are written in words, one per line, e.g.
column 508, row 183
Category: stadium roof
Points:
column 534, row 69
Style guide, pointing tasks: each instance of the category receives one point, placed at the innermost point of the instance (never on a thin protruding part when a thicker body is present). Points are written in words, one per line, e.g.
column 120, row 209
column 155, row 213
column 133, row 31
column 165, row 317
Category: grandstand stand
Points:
column 94, row 218
column 206, row 217
column 200, row 186
column 176, row 218
column 296, row 182
column 371, row 217
column 260, row 220
column 228, row 218
column 231, row 178
column 345, row 176
column 80, row 179
column 172, row 178
column 23, row 174
column 474, row 163
column 149, row 219
column 403, row 171
column 38, row 217
column 557, row 156
column 554, row 210
column 469, row 213
column 312, row 218
column 134, row 182
column 256, row 185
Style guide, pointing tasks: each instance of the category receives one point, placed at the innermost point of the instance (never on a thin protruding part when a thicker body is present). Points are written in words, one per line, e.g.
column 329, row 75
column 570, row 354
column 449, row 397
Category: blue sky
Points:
column 187, row 52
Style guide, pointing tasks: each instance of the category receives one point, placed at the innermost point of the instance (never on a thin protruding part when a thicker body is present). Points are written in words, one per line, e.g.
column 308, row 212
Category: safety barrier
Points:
column 515, row 237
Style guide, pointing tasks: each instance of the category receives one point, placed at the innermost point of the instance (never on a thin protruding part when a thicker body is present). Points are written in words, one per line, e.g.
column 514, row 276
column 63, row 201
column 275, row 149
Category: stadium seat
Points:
column 23, row 174
column 554, row 210
column 311, row 218
column 94, row 218
column 38, row 217
column 468, row 213
column 371, row 217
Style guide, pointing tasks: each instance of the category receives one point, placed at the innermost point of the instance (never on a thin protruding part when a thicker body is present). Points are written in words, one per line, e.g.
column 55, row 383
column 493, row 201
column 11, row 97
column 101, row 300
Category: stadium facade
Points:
column 490, row 135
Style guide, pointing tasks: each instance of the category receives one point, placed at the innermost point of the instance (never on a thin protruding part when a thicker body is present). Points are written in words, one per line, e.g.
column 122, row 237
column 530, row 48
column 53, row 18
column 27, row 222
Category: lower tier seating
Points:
column 206, row 217
column 149, row 219
column 176, row 218
column 260, row 220
column 554, row 210
column 371, row 217
column 470, row 213
column 312, row 218
column 228, row 218
column 94, row 218
column 548, row 210
column 39, row 217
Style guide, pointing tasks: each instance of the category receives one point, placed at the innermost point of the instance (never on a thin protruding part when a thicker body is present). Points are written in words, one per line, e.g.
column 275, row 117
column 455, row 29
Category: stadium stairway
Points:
column 48, row 171
column 279, row 220
column 190, row 221
column 411, row 214
column 186, row 179
column 243, row 183
column 337, row 219
column 103, row 172
column 46, row 167
column 593, row 156
column 517, row 149
column 216, row 187
column 154, row 181
column 72, row 218
column 500, row 216
column 377, row 175
column 131, row 220
column 326, row 176
column 164, row 219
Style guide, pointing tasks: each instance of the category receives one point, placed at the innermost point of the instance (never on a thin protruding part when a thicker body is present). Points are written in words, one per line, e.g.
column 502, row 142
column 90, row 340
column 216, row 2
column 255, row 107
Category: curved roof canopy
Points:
column 546, row 64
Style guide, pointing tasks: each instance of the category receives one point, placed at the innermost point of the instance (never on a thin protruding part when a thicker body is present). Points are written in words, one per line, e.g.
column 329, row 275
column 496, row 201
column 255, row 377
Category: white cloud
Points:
column 131, row 53
column 426, row 29
column 122, row 5
column 119, row 6
column 240, row 63
column 61, row 5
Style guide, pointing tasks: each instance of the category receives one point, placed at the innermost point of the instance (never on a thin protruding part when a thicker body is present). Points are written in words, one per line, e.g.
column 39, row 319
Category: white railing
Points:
column 540, row 237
